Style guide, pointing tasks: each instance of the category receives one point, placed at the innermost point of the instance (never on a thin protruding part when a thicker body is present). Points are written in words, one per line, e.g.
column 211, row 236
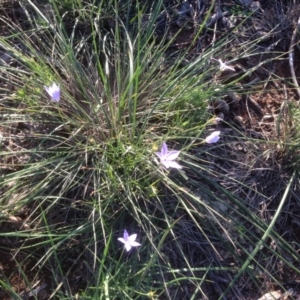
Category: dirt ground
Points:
column 254, row 113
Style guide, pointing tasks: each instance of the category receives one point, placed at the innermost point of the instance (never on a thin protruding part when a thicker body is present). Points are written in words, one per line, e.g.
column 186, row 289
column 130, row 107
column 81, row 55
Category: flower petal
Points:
column 135, row 244
column 159, row 154
column 172, row 155
column 127, row 247
column 53, row 91
column 165, row 163
column 125, row 235
column 164, row 149
column 223, row 66
column 122, row 240
column 56, row 96
column 132, row 238
column 213, row 138
column 173, row 164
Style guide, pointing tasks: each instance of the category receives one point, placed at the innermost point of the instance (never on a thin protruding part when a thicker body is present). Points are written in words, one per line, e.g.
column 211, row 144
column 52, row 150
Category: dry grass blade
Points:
column 291, row 57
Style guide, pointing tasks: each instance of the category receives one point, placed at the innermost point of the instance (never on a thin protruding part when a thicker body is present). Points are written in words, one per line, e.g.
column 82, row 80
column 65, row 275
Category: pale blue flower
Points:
column 223, row 66
column 167, row 157
column 129, row 240
column 53, row 91
column 213, row 138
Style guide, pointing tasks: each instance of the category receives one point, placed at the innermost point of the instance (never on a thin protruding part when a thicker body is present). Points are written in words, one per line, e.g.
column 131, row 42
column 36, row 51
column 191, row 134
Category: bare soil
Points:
column 255, row 114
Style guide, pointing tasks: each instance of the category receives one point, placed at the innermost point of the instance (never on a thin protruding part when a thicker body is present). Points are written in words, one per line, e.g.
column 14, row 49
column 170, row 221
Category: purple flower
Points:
column 129, row 241
column 53, row 91
column 167, row 157
column 213, row 138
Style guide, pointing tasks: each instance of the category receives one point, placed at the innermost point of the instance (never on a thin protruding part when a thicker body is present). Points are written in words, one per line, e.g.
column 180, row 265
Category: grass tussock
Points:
column 78, row 171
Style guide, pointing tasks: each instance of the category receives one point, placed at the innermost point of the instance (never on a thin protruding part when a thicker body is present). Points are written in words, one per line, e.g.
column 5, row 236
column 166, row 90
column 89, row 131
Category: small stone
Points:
column 234, row 98
column 263, row 36
column 268, row 118
column 246, row 3
column 239, row 120
column 221, row 106
column 275, row 295
column 219, row 118
column 227, row 22
column 254, row 6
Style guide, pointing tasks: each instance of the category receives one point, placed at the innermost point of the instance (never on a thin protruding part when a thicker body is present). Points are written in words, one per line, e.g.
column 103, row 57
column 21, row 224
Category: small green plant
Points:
column 238, row 10
column 87, row 108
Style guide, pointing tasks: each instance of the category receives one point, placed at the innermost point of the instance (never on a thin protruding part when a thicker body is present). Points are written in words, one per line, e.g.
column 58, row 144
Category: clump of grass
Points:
column 84, row 169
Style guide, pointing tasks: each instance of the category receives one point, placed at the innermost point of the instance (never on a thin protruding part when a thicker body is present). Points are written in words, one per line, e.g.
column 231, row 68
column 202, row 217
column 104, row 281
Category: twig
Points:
column 255, row 106
column 291, row 58
column 247, row 107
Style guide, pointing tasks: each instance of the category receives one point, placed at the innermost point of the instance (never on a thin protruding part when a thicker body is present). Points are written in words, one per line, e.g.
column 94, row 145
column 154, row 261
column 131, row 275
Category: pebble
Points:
column 221, row 106
column 246, row 3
